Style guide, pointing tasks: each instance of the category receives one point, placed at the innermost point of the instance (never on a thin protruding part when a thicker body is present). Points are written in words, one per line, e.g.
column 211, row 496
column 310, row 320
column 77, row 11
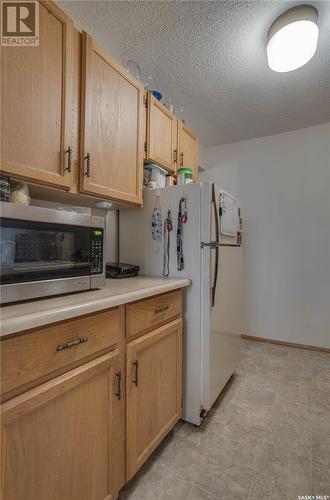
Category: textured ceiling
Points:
column 210, row 56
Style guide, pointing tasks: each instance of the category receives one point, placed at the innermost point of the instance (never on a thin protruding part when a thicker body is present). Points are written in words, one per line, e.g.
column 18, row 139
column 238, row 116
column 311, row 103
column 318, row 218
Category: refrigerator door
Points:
column 221, row 296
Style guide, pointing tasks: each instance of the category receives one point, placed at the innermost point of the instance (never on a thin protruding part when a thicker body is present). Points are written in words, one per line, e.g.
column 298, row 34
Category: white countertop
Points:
column 26, row 315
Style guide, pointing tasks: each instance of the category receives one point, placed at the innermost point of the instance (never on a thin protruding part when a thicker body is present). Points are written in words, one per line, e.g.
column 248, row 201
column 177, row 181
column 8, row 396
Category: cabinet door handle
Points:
column 162, row 309
column 175, row 155
column 88, row 165
column 67, row 345
column 69, row 163
column 135, row 379
column 181, row 159
column 118, row 386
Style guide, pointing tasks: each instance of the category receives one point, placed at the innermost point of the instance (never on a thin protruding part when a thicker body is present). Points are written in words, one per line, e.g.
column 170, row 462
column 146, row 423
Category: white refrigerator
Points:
column 212, row 261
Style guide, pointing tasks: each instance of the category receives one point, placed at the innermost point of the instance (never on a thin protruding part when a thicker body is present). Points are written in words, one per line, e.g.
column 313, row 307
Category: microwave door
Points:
column 34, row 251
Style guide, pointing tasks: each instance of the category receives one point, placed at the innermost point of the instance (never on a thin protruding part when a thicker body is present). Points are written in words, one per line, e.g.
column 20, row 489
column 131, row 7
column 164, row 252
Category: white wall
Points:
column 283, row 182
column 111, row 237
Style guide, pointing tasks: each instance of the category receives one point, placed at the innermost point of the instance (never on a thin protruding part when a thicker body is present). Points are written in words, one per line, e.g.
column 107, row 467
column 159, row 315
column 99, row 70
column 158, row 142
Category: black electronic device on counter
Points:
column 121, row 270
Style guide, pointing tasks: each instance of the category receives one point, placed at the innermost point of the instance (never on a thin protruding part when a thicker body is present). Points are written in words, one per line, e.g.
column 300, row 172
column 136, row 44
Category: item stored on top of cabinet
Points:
column 184, row 176
column 112, row 111
column 120, row 270
column 168, row 228
column 170, row 106
column 132, row 67
column 4, row 188
column 182, row 219
column 157, row 94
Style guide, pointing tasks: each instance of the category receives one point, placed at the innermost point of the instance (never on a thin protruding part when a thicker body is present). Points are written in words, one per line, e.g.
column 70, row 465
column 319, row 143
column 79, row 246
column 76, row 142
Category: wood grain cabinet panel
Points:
column 36, row 100
column 59, row 440
column 33, row 357
column 111, row 128
column 150, row 313
column 161, row 138
column 188, row 141
column 154, row 371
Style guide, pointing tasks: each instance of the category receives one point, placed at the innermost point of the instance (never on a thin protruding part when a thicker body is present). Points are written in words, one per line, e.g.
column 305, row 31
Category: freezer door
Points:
column 222, row 303
column 228, row 217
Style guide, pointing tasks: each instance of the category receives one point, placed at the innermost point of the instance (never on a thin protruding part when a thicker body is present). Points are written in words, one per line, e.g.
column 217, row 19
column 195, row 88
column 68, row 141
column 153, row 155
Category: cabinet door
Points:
column 60, row 441
column 36, row 99
column 188, row 149
column 154, row 371
column 112, row 128
column 161, row 139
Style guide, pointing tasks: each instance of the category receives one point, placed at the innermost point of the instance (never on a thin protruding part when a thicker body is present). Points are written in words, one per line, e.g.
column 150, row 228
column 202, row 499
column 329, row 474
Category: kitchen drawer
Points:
column 33, row 357
column 148, row 314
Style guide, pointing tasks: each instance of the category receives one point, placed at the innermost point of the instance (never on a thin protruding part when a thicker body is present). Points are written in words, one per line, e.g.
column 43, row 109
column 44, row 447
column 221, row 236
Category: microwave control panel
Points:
column 96, row 259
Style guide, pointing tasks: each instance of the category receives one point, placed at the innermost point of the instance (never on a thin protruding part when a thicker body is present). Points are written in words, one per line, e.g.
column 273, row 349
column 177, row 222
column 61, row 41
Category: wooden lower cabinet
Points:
column 154, row 372
column 80, row 432
column 62, row 439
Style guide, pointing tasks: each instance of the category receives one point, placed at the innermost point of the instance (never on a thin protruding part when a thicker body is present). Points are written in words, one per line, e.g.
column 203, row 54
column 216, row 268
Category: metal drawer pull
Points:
column 62, row 347
column 135, row 379
column 69, row 153
column 175, row 155
column 181, row 162
column 118, row 386
column 161, row 309
column 88, row 163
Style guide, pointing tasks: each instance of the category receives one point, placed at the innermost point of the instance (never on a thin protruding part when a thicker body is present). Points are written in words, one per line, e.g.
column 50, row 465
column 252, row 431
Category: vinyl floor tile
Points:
column 266, row 437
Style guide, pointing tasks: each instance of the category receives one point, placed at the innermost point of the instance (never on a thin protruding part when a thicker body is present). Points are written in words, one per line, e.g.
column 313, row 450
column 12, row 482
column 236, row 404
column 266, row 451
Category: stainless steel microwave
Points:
column 47, row 252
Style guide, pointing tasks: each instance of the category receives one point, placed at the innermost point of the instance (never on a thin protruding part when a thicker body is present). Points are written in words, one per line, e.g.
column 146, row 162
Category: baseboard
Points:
column 288, row 344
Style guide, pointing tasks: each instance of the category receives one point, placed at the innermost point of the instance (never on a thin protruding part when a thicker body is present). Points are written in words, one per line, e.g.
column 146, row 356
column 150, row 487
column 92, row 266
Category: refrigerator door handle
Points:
column 211, row 244
column 215, row 275
column 216, row 247
column 214, row 244
column 216, row 216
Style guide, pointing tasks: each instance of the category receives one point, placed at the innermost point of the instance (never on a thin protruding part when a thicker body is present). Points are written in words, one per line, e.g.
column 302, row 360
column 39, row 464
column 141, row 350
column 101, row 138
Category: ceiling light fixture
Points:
column 292, row 38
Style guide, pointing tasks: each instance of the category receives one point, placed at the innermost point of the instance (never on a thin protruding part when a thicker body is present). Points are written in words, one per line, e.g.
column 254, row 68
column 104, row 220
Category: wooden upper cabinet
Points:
column 112, row 128
column 154, row 371
column 188, row 149
column 161, row 135
column 63, row 439
column 36, row 97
